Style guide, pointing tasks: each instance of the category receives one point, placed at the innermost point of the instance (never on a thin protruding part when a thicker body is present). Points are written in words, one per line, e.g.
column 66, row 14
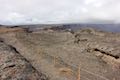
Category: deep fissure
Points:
column 106, row 53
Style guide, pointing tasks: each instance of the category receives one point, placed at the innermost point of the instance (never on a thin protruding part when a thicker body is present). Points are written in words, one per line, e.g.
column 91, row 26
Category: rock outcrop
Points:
column 13, row 66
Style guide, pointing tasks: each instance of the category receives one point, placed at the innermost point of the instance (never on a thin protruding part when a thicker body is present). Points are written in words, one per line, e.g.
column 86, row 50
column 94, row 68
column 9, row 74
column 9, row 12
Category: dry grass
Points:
column 78, row 78
column 66, row 71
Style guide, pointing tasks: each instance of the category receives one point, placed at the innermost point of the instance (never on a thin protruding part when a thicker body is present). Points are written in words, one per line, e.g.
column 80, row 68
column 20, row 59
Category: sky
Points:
column 59, row 11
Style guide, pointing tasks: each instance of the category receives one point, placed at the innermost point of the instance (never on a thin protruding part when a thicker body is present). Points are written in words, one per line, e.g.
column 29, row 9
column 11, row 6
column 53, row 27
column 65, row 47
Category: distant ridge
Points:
column 106, row 27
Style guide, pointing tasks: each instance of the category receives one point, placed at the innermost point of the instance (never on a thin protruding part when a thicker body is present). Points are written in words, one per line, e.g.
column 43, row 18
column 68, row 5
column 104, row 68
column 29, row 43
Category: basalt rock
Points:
column 13, row 66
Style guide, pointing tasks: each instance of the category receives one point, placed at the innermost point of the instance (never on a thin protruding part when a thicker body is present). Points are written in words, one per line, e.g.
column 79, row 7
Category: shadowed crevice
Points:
column 103, row 52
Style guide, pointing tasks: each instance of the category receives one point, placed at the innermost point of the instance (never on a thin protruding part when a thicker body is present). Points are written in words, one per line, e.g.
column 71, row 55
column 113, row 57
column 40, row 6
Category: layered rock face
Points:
column 85, row 54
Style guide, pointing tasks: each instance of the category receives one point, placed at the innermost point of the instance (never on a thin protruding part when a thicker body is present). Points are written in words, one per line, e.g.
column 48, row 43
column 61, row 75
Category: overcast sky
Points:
column 59, row 11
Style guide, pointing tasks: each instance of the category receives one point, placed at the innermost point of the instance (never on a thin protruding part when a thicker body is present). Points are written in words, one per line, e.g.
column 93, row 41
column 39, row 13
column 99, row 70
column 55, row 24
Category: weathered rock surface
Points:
column 13, row 66
column 60, row 53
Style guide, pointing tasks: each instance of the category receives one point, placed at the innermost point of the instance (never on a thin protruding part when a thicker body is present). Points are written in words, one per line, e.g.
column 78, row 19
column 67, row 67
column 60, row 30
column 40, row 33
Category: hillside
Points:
column 63, row 54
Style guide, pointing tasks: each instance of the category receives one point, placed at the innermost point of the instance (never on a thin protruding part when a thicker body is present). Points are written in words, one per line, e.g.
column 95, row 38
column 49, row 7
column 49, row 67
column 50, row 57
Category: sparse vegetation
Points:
column 78, row 73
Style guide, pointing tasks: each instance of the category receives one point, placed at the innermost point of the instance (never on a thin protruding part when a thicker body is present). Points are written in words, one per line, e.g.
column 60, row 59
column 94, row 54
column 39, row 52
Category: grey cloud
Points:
column 58, row 11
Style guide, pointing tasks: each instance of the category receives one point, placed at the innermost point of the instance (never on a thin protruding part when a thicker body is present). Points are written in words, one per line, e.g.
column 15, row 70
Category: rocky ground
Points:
column 59, row 54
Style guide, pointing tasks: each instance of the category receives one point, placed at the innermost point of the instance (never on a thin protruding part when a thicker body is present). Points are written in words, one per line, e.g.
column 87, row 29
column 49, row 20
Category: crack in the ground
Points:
column 102, row 52
column 10, row 66
column 108, row 58
column 106, row 53
column 13, row 48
